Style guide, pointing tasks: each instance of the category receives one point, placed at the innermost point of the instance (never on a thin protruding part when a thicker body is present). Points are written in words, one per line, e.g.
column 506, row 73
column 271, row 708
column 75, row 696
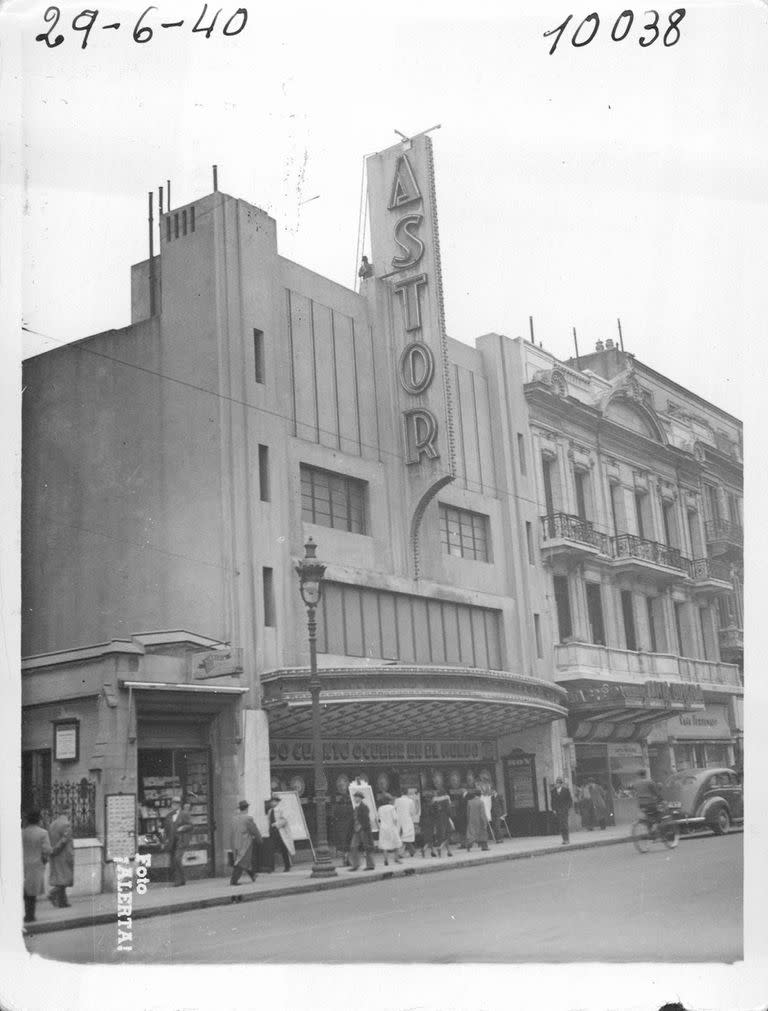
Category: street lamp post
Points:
column 311, row 572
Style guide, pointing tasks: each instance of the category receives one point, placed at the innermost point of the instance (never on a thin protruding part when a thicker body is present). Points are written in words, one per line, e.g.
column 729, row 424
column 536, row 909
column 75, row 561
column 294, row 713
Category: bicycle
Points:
column 665, row 829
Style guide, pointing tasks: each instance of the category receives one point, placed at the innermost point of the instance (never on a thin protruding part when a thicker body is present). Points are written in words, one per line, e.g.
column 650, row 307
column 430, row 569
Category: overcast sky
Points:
column 602, row 181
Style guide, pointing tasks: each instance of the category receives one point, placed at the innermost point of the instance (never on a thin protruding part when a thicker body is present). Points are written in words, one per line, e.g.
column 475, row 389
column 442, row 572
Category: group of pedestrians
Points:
column 54, row 847
column 248, row 845
column 403, row 830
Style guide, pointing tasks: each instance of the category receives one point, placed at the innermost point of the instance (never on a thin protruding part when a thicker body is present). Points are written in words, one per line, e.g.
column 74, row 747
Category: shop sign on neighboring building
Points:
column 217, row 663
column 712, row 723
column 346, row 752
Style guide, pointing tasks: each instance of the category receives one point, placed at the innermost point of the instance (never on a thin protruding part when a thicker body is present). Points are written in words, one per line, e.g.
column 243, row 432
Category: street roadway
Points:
column 603, row 904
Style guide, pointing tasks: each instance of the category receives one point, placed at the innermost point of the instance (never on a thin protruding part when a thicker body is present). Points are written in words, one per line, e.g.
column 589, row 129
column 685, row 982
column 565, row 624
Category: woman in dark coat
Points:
column 441, row 815
column 426, row 834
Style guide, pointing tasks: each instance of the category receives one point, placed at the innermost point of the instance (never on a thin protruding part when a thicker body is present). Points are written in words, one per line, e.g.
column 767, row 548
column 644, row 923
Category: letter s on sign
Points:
column 409, row 242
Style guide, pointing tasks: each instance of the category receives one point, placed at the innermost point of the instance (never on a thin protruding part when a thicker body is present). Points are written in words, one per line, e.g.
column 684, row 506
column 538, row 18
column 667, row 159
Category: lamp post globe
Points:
column 310, row 572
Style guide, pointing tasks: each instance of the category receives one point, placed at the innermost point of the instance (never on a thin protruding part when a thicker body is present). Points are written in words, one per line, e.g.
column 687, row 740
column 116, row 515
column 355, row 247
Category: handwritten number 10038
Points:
column 85, row 21
column 587, row 29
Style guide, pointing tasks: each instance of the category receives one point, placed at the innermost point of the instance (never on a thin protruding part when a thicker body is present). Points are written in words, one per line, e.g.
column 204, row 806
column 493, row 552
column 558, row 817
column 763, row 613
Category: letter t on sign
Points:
column 409, row 292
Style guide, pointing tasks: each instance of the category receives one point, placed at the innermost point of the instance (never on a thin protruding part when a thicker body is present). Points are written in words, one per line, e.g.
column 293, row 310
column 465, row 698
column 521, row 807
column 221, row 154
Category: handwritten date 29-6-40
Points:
column 142, row 29
column 652, row 29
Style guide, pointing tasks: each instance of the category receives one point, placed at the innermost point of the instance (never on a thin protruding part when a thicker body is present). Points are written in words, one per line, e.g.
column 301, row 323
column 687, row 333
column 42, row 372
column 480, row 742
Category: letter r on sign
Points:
column 420, row 435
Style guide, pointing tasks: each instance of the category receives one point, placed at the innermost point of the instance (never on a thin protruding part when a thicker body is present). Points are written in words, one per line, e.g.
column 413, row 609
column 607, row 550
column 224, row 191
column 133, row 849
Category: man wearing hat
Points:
column 245, row 842
column 178, row 825
column 362, row 838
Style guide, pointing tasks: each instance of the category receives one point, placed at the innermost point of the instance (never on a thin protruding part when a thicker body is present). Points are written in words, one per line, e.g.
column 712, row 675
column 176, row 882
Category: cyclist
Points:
column 648, row 796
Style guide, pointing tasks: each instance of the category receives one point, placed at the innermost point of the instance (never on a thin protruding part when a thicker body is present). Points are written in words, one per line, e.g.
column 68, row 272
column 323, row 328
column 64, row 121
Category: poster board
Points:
column 120, row 825
column 291, row 807
column 368, row 800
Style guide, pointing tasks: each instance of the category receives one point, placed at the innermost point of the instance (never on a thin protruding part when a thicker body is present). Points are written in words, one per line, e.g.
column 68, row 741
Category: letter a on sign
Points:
column 404, row 187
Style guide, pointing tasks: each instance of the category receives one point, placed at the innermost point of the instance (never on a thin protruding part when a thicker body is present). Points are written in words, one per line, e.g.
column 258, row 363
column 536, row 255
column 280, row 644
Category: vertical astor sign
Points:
column 405, row 251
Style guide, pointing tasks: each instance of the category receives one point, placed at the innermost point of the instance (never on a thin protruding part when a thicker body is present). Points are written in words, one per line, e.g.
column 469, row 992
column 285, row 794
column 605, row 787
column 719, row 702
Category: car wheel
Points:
column 722, row 821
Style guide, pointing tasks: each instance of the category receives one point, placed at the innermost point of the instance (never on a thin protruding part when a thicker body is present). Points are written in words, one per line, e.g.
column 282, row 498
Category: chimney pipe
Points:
column 160, row 202
column 151, row 258
column 530, row 324
column 576, row 345
column 215, row 178
column 168, row 193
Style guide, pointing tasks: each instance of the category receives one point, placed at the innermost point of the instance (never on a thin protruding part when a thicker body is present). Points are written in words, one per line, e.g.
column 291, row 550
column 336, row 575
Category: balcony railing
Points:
column 710, row 568
column 724, row 530
column 563, row 526
column 590, row 660
column 731, row 639
column 632, row 546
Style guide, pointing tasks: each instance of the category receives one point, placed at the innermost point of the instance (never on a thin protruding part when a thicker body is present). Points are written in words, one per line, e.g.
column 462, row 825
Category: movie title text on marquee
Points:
column 344, row 752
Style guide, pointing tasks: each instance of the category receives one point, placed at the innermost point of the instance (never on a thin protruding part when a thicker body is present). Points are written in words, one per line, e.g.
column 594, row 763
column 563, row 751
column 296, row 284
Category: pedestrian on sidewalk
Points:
column 441, row 819
column 599, row 804
column 280, row 831
column 562, row 801
column 389, row 830
column 477, row 821
column 362, row 837
column 245, row 841
column 178, row 828
column 584, row 806
column 406, row 810
column 36, row 848
column 498, row 811
column 461, row 817
column 425, row 834
column 62, row 862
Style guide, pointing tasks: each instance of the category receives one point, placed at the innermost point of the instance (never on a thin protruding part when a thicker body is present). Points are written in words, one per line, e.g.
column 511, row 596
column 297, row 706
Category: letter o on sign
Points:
column 416, row 367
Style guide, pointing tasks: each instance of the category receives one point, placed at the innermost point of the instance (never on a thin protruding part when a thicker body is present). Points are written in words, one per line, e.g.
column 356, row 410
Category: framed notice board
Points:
column 120, row 825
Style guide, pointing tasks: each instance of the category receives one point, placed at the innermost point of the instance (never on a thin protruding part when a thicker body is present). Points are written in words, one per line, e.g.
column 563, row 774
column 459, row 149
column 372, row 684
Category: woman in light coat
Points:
column 477, row 821
column 62, row 866
column 405, row 809
column 280, row 831
column 389, row 830
column 36, row 847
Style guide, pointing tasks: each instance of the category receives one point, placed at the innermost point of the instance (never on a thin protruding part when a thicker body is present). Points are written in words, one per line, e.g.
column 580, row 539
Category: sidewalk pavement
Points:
column 161, row 898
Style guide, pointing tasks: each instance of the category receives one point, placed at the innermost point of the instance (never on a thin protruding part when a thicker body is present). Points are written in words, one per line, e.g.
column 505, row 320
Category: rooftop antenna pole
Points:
column 530, row 324
column 576, row 345
column 621, row 338
column 151, row 258
column 168, row 192
column 215, row 178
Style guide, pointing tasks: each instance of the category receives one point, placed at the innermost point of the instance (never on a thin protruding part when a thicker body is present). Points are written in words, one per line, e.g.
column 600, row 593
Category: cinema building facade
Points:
column 173, row 471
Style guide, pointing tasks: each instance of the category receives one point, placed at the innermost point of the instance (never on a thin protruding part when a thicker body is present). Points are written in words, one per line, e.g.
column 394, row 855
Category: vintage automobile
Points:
column 706, row 798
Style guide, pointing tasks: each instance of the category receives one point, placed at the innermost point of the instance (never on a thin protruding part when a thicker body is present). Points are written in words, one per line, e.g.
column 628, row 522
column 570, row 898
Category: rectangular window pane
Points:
column 563, row 605
column 269, row 597
column 464, row 534
column 353, row 623
column 537, row 633
column 529, row 542
column 628, row 613
column 521, row 451
column 264, row 475
column 595, row 613
column 332, row 500
column 258, row 355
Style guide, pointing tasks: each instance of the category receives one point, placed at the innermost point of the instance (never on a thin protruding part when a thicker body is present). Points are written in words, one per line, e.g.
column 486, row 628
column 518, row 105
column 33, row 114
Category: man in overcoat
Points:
column 245, row 843
column 178, row 827
column 62, row 862
column 562, row 802
column 280, row 831
column 36, row 847
column 362, row 837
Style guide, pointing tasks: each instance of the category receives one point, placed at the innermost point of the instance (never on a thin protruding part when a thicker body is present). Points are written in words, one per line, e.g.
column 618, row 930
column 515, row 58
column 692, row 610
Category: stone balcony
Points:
column 710, row 576
column 581, row 660
column 732, row 644
column 638, row 556
column 571, row 537
column 724, row 538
